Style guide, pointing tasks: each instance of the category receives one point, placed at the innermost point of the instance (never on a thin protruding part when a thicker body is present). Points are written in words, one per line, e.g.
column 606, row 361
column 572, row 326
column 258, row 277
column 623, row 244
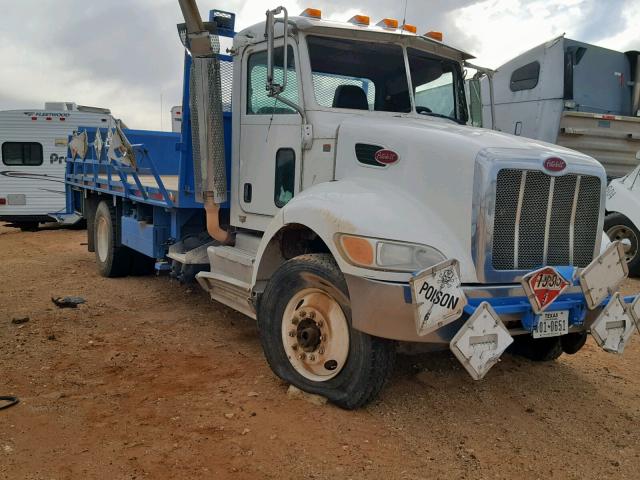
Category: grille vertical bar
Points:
column 543, row 220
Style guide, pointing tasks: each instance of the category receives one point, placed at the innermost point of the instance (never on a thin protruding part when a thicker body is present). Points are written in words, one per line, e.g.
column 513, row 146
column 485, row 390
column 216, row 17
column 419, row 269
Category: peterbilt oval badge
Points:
column 554, row 164
column 386, row 157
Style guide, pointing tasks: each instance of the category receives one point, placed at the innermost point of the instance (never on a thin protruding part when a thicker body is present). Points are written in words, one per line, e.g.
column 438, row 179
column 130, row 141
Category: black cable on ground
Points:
column 6, row 402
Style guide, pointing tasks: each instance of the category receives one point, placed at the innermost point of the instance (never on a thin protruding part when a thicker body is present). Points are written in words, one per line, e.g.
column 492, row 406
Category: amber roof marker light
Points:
column 362, row 20
column 314, row 13
column 434, row 35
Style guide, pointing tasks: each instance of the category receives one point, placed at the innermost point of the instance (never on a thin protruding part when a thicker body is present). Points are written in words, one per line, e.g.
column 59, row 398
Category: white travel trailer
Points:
column 176, row 119
column 570, row 93
column 33, row 148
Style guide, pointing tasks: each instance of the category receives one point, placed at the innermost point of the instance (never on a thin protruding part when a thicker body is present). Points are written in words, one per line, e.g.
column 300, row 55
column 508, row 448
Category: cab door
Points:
column 270, row 134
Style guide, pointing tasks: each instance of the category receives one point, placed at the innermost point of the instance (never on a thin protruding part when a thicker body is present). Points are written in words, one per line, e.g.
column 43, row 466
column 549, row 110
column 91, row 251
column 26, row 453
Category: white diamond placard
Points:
column 614, row 327
column 437, row 296
column 603, row 276
column 481, row 341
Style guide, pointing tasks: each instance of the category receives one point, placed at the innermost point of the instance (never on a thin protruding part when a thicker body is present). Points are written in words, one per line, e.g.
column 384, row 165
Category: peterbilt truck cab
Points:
column 362, row 213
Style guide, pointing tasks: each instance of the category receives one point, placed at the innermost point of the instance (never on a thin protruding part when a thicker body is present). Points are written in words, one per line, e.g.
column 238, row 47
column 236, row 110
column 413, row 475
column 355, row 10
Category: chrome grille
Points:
column 543, row 220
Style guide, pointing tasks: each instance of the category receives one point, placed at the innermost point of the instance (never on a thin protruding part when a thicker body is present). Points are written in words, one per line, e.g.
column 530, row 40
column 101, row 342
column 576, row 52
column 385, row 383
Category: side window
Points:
column 258, row 103
column 22, row 153
column 285, row 176
column 525, row 78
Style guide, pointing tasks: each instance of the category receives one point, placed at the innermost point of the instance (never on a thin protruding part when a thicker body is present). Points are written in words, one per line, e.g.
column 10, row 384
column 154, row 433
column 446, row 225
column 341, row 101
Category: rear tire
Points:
column 112, row 258
column 619, row 227
column 305, row 311
column 537, row 349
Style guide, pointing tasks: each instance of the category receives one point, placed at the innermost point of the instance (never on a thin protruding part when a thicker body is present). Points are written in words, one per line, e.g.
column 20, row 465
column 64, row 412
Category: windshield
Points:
column 359, row 75
column 372, row 76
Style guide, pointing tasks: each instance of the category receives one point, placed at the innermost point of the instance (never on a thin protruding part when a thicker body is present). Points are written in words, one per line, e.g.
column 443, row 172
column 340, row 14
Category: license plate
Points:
column 552, row 324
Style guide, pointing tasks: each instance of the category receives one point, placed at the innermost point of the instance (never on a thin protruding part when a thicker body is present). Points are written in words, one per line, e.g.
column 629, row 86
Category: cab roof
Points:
column 361, row 32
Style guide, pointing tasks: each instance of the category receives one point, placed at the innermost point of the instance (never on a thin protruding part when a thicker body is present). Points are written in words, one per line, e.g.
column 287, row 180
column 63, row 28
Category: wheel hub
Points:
column 315, row 334
column 627, row 237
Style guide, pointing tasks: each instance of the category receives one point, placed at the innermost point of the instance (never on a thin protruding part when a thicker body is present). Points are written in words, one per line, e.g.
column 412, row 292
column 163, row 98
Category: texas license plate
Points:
column 552, row 324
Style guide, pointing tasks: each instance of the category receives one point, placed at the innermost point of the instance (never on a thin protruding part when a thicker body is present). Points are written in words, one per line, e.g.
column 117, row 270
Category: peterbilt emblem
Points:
column 554, row 164
column 386, row 157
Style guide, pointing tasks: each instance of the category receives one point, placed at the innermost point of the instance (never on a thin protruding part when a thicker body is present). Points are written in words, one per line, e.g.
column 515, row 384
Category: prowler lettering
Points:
column 437, row 297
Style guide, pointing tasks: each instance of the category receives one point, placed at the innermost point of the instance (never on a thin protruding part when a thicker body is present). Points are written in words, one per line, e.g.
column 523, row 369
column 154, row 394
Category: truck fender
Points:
column 362, row 207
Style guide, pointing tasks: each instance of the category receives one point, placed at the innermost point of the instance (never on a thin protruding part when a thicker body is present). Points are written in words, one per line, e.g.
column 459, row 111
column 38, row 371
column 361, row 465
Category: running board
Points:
column 227, row 290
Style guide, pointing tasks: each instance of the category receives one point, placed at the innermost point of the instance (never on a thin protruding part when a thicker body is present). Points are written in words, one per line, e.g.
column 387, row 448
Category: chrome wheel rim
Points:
column 315, row 335
column 102, row 240
column 627, row 237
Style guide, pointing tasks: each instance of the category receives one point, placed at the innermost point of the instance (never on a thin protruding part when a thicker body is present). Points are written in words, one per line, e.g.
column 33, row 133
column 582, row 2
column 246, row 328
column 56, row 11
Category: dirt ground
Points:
column 151, row 379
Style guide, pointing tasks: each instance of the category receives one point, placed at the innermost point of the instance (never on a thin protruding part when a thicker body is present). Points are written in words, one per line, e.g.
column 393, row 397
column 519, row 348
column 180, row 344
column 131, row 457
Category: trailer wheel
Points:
column 537, row 349
column 113, row 259
column 619, row 227
column 304, row 318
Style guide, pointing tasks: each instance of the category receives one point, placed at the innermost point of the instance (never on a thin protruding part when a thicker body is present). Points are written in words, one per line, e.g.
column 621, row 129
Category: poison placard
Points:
column 437, row 296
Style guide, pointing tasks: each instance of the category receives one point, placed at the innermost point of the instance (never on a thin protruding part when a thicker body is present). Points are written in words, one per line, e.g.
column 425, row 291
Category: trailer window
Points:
column 358, row 75
column 22, row 153
column 525, row 78
column 258, row 102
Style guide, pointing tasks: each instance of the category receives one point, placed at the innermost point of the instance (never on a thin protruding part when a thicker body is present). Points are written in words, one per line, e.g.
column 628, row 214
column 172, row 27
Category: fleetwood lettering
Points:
column 437, row 297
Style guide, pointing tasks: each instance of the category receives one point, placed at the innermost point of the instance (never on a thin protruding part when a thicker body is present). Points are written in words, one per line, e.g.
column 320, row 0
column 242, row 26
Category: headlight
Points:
column 388, row 254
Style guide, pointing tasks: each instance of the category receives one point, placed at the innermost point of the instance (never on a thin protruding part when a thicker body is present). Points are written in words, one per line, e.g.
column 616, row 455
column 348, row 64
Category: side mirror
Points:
column 274, row 88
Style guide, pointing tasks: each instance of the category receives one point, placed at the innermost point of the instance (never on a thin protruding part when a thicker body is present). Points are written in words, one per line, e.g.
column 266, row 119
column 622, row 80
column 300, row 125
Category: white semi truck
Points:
column 361, row 212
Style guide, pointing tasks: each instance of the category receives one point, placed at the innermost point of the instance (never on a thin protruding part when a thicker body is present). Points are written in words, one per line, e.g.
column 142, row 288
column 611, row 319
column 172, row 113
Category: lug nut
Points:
column 294, row 347
column 312, row 357
column 302, row 356
column 312, row 314
column 295, row 321
column 303, row 314
column 321, row 350
column 292, row 333
column 323, row 338
column 320, row 323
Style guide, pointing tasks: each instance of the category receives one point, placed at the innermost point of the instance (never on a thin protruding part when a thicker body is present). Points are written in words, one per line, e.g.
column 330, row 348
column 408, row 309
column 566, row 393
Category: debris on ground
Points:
column 68, row 302
column 19, row 320
column 8, row 401
column 296, row 393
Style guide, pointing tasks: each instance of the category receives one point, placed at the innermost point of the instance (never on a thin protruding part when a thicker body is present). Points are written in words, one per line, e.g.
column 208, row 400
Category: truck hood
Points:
column 428, row 195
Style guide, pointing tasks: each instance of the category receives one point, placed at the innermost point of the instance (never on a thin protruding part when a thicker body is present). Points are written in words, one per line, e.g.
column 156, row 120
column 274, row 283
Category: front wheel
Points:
column 304, row 318
column 618, row 227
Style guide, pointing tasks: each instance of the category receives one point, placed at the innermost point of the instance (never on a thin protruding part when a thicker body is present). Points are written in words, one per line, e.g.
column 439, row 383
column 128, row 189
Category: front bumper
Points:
column 385, row 309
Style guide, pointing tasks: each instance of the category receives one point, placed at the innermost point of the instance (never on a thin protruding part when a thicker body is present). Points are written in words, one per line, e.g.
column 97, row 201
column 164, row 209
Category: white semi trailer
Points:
column 361, row 212
column 569, row 93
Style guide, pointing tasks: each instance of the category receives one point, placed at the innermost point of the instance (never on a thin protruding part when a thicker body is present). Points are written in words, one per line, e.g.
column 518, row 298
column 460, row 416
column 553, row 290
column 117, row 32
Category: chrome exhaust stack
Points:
column 207, row 131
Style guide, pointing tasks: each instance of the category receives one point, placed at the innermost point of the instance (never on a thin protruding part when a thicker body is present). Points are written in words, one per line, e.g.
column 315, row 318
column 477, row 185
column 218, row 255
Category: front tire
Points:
column 619, row 227
column 112, row 258
column 304, row 318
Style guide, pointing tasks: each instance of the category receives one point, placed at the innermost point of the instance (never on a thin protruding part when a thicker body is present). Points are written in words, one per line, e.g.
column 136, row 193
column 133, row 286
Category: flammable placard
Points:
column 438, row 297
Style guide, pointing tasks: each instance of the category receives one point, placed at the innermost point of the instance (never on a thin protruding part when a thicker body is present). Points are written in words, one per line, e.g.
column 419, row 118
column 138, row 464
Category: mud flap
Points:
column 614, row 327
column 481, row 341
column 603, row 276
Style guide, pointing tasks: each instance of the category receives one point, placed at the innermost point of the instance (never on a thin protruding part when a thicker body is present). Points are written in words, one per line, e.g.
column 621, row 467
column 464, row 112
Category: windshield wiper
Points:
column 441, row 115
